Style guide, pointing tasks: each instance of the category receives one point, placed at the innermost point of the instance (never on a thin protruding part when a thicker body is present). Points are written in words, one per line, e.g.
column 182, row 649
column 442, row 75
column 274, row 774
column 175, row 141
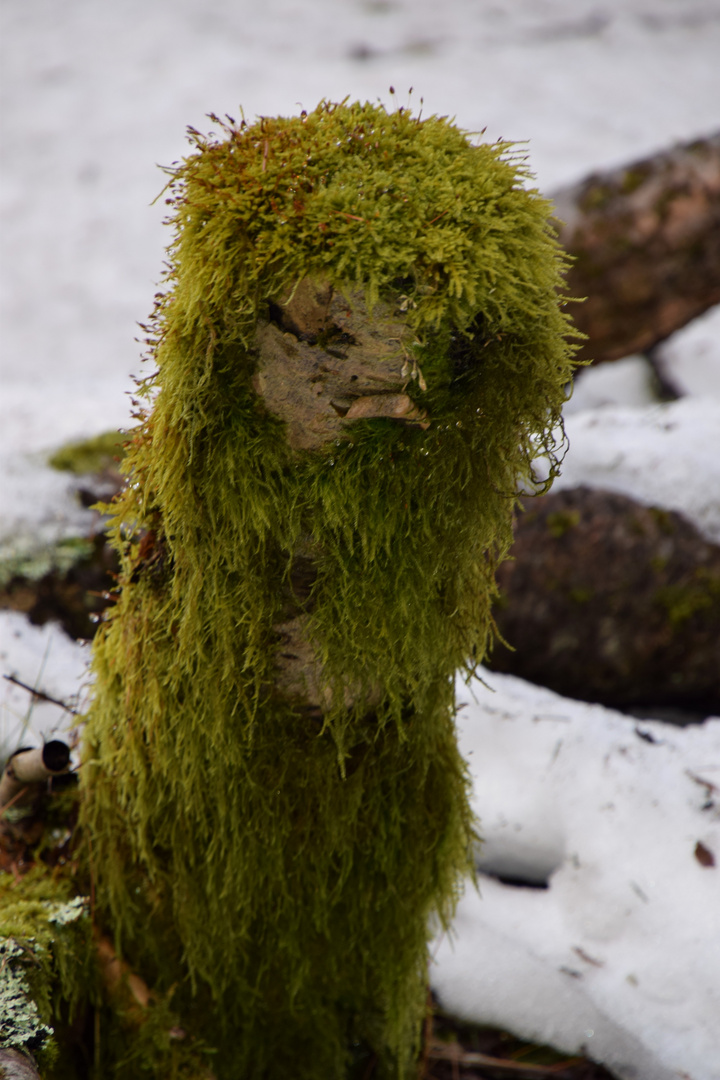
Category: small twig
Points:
column 18, row 795
column 586, row 957
column 468, row 1059
column 427, row 1037
column 91, row 866
column 703, row 783
column 344, row 213
column 40, row 695
column 438, row 217
column 371, row 1068
column 96, row 1044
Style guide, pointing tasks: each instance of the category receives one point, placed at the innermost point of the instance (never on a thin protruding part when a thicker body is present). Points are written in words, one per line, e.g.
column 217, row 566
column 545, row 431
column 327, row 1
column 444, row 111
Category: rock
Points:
column 609, row 601
column 645, row 239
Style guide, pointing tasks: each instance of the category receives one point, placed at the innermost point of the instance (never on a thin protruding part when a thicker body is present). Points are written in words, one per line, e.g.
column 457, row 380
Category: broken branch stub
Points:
column 31, row 768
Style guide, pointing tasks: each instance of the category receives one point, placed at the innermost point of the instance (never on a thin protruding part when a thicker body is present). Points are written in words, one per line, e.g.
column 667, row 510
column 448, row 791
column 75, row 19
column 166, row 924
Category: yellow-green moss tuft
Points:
column 90, row 455
column 46, row 968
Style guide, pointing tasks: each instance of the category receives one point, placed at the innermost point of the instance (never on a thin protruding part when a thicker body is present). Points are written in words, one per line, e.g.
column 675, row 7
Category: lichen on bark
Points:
column 46, row 971
column 360, row 348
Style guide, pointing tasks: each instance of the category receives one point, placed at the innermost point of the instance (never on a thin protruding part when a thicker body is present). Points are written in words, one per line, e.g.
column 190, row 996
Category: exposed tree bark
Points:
column 646, row 244
column 606, row 600
column 330, row 362
column 325, row 364
column 17, row 1066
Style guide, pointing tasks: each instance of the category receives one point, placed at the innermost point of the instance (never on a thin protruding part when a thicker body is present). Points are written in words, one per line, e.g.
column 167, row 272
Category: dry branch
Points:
column 467, row 1059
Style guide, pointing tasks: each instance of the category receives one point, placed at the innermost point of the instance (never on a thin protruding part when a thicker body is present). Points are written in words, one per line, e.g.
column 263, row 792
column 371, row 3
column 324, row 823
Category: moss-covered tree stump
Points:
column 359, row 350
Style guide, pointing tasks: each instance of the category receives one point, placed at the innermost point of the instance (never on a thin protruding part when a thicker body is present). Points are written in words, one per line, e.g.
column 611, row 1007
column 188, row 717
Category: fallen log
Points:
column 606, row 600
column 646, row 243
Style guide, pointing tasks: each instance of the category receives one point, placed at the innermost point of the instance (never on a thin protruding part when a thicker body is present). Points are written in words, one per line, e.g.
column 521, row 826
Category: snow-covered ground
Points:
column 624, row 941
column 619, row 956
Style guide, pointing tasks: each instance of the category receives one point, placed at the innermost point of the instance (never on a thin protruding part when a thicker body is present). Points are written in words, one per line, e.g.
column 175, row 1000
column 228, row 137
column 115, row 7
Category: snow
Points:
column 41, row 657
column 619, row 956
column 661, row 455
column 690, row 359
column 630, row 381
column 620, row 952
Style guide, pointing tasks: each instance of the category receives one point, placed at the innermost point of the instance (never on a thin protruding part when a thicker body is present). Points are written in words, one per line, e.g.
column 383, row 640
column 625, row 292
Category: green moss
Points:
column 596, row 196
column 60, row 557
column 561, row 521
column 20, row 1025
column 634, row 178
column 90, row 455
column 581, row 595
column 664, row 520
column 245, row 847
column 683, row 600
column 45, row 961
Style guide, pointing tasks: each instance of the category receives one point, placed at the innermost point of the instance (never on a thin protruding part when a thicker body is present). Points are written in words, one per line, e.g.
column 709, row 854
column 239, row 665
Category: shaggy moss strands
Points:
column 359, row 350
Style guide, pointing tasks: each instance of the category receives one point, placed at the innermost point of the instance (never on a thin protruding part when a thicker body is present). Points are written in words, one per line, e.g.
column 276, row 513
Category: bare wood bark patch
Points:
column 326, row 361
column 646, row 244
column 329, row 362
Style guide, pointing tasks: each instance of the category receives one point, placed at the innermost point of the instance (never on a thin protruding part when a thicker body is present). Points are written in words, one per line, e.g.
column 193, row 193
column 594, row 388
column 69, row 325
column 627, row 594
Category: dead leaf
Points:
column 116, row 973
column 704, row 855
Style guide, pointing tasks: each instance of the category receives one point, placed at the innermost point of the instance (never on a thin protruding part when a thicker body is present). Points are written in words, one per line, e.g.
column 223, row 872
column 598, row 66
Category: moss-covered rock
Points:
column 272, row 784
column 607, row 600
